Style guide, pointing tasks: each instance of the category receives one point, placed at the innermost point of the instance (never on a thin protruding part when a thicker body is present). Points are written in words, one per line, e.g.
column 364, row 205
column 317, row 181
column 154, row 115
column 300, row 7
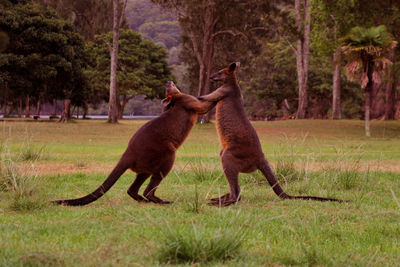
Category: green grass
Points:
column 324, row 158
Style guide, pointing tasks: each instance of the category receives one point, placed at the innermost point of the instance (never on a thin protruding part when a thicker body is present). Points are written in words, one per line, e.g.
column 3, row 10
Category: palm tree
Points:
column 364, row 49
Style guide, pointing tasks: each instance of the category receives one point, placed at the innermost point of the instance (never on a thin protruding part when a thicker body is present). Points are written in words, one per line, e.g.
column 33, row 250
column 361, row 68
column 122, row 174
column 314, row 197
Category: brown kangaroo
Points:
column 241, row 149
column 151, row 151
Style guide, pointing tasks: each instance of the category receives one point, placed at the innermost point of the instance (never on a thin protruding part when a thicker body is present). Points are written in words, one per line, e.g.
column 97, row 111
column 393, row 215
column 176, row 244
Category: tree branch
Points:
column 231, row 32
column 107, row 44
column 195, row 47
column 289, row 43
column 121, row 13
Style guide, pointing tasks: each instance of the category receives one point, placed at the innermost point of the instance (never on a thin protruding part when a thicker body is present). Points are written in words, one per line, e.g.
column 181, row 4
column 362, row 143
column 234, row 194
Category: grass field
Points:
column 41, row 161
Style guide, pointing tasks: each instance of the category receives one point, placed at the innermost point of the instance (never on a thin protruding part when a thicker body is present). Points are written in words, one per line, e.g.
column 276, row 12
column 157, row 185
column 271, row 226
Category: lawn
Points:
column 315, row 157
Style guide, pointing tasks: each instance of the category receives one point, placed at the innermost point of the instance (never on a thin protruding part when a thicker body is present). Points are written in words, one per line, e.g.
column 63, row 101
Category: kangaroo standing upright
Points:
column 241, row 149
column 151, row 151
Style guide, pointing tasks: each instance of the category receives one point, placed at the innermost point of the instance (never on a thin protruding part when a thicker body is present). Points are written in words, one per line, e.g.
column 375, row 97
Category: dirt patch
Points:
column 48, row 168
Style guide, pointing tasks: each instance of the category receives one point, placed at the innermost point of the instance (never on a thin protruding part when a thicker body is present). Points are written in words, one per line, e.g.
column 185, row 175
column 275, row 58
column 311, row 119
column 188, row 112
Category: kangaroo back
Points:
column 273, row 182
column 100, row 191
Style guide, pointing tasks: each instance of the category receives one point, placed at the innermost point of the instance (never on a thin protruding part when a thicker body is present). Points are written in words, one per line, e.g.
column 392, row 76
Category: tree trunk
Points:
column 112, row 104
column 27, row 107
column 205, row 54
column 204, row 77
column 367, row 111
column 66, row 113
column 55, row 107
column 19, row 107
column 10, row 110
column 38, row 108
column 368, row 62
column 302, row 55
column 85, row 109
column 390, row 91
column 121, row 105
column 336, row 90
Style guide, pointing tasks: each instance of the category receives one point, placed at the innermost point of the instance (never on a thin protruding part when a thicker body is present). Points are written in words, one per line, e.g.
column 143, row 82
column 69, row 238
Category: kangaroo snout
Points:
column 170, row 88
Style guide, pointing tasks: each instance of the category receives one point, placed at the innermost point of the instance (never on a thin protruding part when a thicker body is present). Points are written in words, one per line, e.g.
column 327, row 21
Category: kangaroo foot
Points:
column 220, row 198
column 137, row 197
column 224, row 198
column 223, row 203
column 157, row 200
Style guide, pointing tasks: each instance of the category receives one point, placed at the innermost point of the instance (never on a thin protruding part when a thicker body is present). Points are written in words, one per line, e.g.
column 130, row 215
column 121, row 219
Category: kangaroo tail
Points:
column 100, row 191
column 273, row 182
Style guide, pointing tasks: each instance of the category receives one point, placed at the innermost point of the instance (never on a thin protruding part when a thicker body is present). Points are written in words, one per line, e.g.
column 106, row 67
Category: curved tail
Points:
column 100, row 191
column 273, row 182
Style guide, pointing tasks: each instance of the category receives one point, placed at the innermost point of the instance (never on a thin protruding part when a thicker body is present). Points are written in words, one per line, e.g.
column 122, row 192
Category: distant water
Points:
column 104, row 117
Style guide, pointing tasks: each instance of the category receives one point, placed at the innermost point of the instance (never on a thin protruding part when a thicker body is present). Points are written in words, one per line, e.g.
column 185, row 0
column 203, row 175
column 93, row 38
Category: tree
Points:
column 142, row 68
column 44, row 58
column 364, row 48
column 303, row 23
column 209, row 26
column 118, row 12
column 332, row 19
column 89, row 17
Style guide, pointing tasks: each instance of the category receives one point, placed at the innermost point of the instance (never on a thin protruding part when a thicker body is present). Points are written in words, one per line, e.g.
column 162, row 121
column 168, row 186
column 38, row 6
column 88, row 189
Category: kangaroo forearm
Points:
column 204, row 107
column 213, row 97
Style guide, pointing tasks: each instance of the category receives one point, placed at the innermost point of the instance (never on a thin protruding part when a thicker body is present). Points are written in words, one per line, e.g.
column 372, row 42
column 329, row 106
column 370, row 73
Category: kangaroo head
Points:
column 170, row 92
column 226, row 73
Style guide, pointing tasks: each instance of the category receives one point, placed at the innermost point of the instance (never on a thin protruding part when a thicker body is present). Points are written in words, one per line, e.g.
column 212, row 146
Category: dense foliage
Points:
column 200, row 37
column 142, row 67
column 45, row 58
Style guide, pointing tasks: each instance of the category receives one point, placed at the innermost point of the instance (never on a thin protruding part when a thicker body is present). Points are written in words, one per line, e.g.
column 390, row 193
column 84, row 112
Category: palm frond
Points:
column 364, row 79
column 353, row 70
column 376, row 77
column 372, row 40
column 382, row 63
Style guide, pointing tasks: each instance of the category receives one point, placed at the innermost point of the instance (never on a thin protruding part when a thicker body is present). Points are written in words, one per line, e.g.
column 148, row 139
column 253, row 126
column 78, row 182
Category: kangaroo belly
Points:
column 233, row 127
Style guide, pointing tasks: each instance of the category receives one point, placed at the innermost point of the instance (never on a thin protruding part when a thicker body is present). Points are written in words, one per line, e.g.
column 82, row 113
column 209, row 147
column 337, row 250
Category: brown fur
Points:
column 151, row 151
column 241, row 149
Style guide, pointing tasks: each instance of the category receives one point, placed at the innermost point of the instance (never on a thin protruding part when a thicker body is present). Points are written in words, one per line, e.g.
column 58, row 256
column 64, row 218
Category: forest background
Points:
column 186, row 41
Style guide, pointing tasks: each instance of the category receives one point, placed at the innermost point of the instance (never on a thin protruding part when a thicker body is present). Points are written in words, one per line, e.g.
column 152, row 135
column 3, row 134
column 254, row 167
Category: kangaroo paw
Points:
column 220, row 198
column 224, row 203
column 157, row 200
column 137, row 197
column 224, row 198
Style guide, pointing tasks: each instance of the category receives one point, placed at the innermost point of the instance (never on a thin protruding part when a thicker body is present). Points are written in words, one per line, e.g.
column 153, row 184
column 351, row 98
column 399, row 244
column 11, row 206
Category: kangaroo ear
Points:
column 167, row 102
column 233, row 66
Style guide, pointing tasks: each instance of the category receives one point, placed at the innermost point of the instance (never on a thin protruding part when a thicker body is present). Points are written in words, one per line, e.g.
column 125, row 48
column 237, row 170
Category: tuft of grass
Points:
column 287, row 154
column 344, row 170
column 203, row 172
column 286, row 170
column 80, row 163
column 195, row 205
column 192, row 245
column 23, row 189
column 255, row 178
column 31, row 152
column 41, row 259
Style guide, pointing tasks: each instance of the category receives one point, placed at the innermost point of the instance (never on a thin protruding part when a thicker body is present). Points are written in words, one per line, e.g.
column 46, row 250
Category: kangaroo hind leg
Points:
column 232, row 175
column 151, row 188
column 133, row 190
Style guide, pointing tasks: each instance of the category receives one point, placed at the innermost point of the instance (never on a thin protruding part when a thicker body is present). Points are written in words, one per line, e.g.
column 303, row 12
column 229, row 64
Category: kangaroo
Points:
column 151, row 150
column 241, row 149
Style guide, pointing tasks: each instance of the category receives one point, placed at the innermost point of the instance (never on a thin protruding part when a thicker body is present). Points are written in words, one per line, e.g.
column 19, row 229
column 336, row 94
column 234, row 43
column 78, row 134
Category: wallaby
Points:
column 241, row 149
column 151, row 151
